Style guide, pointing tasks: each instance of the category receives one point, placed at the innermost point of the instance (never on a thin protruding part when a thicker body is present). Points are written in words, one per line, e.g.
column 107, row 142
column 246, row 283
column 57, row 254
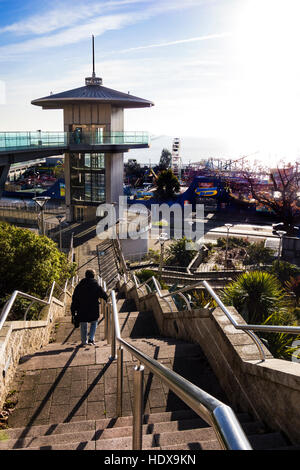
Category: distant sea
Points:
column 192, row 149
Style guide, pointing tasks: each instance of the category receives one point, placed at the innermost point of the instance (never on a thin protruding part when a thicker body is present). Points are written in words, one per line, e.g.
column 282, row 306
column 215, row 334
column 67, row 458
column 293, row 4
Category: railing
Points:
column 294, row 330
column 109, row 138
column 248, row 329
column 40, row 140
column 31, row 140
column 215, row 413
column 9, row 304
column 218, row 415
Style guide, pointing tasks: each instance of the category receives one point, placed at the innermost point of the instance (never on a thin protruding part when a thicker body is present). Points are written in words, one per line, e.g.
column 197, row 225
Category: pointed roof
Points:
column 92, row 94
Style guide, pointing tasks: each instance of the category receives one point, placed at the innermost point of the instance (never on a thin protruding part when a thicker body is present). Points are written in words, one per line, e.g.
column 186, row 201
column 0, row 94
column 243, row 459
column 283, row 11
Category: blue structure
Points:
column 55, row 192
column 205, row 189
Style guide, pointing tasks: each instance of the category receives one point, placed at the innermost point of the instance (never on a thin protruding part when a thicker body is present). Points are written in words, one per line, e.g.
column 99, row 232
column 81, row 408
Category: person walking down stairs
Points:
column 85, row 306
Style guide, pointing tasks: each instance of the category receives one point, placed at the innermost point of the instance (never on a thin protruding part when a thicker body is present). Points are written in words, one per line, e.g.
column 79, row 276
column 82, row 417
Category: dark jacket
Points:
column 85, row 300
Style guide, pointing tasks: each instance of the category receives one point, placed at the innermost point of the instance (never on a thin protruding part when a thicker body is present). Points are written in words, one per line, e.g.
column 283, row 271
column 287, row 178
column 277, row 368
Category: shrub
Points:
column 152, row 255
column 284, row 270
column 233, row 242
column 178, row 254
column 257, row 254
column 146, row 274
column 256, row 295
column 29, row 262
column 280, row 344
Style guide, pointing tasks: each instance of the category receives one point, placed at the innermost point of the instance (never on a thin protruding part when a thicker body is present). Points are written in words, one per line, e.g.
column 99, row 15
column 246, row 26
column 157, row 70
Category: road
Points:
column 214, row 227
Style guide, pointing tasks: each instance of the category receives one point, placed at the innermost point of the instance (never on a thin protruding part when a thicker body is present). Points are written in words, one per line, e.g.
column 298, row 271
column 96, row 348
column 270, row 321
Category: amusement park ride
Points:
column 176, row 163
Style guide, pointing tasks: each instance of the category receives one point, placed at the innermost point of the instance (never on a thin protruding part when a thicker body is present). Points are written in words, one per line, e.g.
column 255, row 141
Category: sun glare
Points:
column 267, row 38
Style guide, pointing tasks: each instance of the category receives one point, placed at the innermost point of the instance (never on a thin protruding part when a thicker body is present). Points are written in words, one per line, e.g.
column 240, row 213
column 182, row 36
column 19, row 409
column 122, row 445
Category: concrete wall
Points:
column 117, row 119
column 20, row 217
column 269, row 390
column 20, row 338
column 111, row 118
column 114, row 170
column 87, row 114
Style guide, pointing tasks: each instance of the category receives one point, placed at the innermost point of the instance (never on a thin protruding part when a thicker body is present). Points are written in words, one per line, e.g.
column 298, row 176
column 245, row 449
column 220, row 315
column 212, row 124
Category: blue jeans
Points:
column 84, row 331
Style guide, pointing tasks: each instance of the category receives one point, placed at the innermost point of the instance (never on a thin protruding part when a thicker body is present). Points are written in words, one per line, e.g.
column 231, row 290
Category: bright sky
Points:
column 214, row 68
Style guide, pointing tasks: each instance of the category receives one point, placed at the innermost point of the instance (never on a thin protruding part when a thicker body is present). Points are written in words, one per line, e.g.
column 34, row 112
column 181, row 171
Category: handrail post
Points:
column 137, row 424
column 120, row 381
column 105, row 320
column 108, row 324
column 113, row 338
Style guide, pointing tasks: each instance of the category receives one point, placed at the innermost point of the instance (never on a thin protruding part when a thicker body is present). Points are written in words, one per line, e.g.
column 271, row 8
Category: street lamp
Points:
column 281, row 234
column 163, row 237
column 59, row 218
column 228, row 226
column 40, row 202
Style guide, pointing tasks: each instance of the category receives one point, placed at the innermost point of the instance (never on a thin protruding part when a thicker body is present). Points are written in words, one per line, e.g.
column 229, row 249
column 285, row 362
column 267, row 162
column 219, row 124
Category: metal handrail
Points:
column 294, row 330
column 139, row 286
column 218, row 415
column 245, row 327
column 9, row 304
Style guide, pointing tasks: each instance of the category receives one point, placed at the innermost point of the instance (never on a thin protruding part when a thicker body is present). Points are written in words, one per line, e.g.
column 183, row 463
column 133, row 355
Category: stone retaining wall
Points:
column 20, row 338
column 269, row 390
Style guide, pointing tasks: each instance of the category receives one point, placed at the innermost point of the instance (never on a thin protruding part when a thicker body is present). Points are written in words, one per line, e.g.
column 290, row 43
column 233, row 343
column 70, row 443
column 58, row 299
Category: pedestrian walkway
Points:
column 65, row 395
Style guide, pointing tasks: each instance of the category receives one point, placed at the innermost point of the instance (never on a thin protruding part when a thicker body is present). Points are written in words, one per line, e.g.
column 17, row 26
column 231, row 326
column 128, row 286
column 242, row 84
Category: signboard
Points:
column 208, row 192
column 62, row 189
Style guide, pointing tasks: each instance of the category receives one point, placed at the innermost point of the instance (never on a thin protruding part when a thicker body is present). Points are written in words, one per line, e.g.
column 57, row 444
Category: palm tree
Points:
column 256, row 295
column 178, row 254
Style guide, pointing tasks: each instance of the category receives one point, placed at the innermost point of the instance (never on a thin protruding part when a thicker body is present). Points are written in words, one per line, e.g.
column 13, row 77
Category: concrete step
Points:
column 204, row 445
column 268, row 441
column 183, row 417
column 166, row 434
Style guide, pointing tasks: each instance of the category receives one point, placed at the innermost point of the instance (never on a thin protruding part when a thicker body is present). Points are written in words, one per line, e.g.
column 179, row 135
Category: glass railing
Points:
column 109, row 138
column 32, row 140
column 40, row 140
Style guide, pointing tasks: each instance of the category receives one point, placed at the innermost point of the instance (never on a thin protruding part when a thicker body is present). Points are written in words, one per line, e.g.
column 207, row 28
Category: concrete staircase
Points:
column 66, row 395
column 178, row 430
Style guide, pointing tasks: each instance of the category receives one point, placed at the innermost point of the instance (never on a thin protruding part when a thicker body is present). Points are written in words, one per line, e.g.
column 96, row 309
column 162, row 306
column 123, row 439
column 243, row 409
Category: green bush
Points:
column 284, row 270
column 280, row 344
column 256, row 295
column 29, row 262
column 260, row 298
column 178, row 254
column 233, row 242
column 152, row 255
column 146, row 274
column 257, row 254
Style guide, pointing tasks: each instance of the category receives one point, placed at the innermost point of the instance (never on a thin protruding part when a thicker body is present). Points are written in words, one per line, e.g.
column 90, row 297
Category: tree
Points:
column 167, row 185
column 165, row 159
column 29, row 262
column 281, row 196
column 133, row 169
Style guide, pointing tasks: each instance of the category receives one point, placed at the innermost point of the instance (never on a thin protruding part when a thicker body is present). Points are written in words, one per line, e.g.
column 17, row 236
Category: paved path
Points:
column 66, row 383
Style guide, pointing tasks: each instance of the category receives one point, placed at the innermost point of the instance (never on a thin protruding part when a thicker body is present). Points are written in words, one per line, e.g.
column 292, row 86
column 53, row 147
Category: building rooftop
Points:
column 93, row 94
